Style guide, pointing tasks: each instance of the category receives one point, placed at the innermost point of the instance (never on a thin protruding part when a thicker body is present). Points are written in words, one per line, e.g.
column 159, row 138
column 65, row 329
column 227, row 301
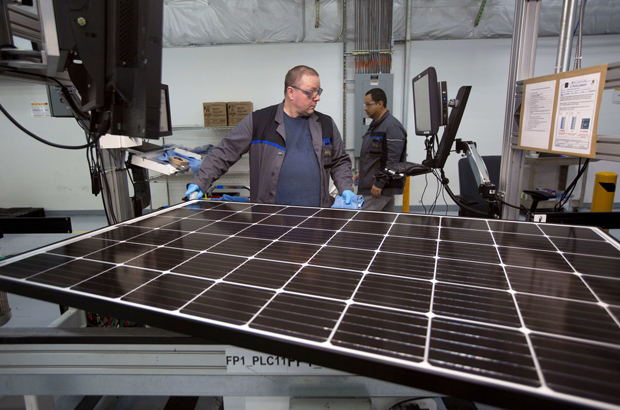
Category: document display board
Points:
column 559, row 112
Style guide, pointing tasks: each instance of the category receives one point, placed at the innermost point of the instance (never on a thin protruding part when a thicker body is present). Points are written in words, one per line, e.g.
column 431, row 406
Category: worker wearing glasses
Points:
column 294, row 150
column 385, row 143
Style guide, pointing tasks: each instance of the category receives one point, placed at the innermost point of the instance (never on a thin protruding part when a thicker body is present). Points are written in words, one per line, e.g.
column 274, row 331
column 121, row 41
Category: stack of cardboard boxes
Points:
column 220, row 114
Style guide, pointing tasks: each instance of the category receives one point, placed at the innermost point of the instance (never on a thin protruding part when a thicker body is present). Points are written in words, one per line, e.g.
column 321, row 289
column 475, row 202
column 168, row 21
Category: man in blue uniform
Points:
column 294, row 150
column 385, row 143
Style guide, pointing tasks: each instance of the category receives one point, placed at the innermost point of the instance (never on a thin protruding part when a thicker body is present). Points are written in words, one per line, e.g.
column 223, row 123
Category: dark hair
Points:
column 295, row 73
column 377, row 94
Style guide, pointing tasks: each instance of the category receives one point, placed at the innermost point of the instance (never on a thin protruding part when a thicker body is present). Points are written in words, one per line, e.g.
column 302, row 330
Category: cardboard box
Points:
column 215, row 114
column 238, row 111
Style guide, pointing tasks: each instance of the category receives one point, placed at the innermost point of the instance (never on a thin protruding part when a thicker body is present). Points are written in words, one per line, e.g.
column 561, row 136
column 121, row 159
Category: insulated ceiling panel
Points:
column 512, row 313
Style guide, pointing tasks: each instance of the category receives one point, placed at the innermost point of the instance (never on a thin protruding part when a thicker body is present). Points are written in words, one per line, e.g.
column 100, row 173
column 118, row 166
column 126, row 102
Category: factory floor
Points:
column 31, row 313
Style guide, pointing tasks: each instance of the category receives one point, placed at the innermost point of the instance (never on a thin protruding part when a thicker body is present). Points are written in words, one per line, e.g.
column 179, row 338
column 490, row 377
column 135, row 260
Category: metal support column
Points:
column 523, row 55
column 115, row 188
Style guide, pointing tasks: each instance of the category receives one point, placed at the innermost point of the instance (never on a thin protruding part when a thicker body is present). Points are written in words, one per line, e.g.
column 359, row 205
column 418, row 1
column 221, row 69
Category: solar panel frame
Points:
column 468, row 304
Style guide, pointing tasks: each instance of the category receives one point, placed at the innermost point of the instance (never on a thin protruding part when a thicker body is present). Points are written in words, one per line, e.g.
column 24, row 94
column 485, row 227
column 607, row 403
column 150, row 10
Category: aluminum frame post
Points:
column 522, row 58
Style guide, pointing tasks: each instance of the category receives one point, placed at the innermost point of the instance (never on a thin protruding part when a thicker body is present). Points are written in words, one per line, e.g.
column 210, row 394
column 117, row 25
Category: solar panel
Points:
column 510, row 313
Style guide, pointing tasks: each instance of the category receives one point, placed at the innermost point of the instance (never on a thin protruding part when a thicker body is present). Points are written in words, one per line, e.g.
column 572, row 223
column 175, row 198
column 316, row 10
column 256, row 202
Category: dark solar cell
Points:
column 162, row 259
column 482, row 350
column 264, row 209
column 209, row 265
column 246, row 217
column 323, row 223
column 464, row 223
column 515, row 227
column 411, row 246
column 418, row 220
column 415, row 231
column 155, row 222
column 352, row 259
column 312, row 236
column 83, row 247
column 211, row 215
column 120, row 252
column 469, row 252
column 388, row 291
column 568, row 318
column 481, row 305
column 291, row 210
column 467, row 236
column 383, row 332
column 582, row 369
column 224, row 228
column 376, row 228
column 283, row 220
column 122, row 233
column 196, row 241
column 333, row 283
column 517, row 240
column 289, row 252
column 469, row 273
column 265, row 274
column 403, row 265
column 232, row 206
column 299, row 316
column 534, row 259
column 268, row 232
column 157, row 237
column 335, row 213
column 375, row 217
column 570, row 232
column 188, row 225
column 32, row 265
column 229, row 303
column 168, row 292
column 608, row 290
column 116, row 282
column 547, row 283
column 204, row 205
column 594, row 265
column 356, row 240
column 587, row 247
column 240, row 246
column 71, row 273
column 182, row 212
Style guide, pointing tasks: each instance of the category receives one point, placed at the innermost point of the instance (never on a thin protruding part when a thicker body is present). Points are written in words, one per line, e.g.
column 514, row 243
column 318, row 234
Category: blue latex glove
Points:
column 348, row 196
column 191, row 188
column 227, row 197
column 356, row 202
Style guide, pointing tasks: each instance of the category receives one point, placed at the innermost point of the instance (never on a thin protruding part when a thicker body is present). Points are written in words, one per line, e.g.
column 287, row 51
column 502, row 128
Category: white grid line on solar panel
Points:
column 600, row 302
column 249, row 258
column 364, row 273
column 524, row 327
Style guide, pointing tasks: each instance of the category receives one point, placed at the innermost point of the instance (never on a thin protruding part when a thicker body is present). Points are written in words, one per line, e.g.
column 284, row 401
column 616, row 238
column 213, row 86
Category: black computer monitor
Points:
column 112, row 50
column 426, row 102
column 449, row 133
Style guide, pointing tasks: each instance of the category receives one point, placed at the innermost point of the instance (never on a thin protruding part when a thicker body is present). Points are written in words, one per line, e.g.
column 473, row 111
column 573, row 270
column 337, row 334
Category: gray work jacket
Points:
column 385, row 143
column 266, row 159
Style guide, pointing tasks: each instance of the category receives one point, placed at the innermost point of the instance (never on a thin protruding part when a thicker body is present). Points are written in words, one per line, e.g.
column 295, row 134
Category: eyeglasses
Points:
column 310, row 94
column 368, row 104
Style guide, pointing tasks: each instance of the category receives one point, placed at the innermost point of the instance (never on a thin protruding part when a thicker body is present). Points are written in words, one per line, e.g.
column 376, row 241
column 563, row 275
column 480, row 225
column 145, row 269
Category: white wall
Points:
column 32, row 174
